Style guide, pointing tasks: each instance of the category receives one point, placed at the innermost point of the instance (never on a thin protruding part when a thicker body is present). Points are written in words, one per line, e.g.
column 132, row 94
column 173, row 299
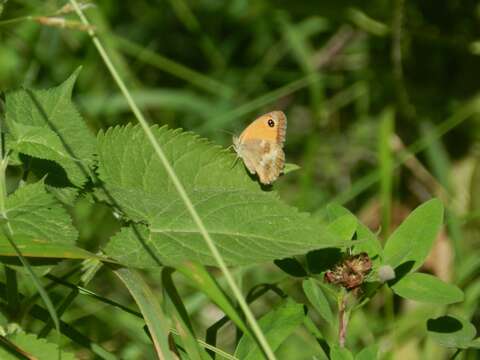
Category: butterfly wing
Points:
column 260, row 146
column 259, row 129
column 262, row 157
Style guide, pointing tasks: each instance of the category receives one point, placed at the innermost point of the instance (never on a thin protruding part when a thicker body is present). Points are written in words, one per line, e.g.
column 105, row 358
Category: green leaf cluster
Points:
column 249, row 224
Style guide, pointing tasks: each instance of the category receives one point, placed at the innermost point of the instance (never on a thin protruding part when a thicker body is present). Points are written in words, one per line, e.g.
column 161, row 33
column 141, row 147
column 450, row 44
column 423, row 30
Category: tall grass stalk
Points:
column 180, row 189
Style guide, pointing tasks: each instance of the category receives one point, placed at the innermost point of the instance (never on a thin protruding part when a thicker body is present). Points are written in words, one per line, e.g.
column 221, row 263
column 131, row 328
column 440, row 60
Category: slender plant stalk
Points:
column 13, row 300
column 386, row 169
column 179, row 187
column 171, row 67
column 342, row 320
column 16, row 20
column 405, row 105
column 455, row 354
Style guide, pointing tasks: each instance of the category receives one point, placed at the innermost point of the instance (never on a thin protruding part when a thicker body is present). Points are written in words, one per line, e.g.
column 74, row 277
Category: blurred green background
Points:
column 363, row 84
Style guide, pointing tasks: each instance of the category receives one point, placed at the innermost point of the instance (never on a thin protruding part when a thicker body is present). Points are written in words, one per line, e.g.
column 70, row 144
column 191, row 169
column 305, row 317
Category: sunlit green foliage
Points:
column 366, row 248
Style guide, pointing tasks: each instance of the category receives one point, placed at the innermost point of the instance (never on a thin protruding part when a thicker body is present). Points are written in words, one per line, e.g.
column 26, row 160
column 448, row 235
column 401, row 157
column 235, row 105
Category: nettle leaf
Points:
column 427, row 288
column 247, row 224
column 41, row 349
column 452, row 331
column 40, row 225
column 124, row 247
column 277, row 325
column 412, row 240
column 45, row 124
column 32, row 212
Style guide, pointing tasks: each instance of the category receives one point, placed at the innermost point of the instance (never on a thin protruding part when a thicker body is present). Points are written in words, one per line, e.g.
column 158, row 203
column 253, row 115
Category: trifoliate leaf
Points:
column 45, row 124
column 247, row 224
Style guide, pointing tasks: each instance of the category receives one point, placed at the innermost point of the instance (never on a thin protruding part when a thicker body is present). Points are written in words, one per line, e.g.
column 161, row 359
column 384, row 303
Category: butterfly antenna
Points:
column 226, row 132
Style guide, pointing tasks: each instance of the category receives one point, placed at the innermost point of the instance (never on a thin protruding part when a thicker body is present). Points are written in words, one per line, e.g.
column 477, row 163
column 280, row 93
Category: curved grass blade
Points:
column 153, row 315
column 181, row 319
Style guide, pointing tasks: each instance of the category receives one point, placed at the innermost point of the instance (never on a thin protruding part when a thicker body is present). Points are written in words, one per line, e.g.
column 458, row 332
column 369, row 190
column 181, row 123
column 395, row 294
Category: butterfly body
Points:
column 260, row 146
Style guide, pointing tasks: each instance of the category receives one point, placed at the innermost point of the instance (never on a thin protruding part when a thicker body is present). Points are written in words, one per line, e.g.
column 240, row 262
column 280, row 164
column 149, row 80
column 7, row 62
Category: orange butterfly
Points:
column 260, row 146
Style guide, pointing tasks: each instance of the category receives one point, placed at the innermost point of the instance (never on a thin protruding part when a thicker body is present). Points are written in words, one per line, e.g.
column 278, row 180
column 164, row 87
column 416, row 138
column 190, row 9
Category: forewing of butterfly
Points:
column 259, row 128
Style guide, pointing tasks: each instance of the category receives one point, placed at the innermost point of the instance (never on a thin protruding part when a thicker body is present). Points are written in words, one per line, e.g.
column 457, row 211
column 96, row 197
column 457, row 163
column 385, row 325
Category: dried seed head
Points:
column 351, row 272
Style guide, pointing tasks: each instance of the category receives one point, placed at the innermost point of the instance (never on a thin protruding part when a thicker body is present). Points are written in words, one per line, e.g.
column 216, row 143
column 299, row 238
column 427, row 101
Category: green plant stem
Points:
column 455, row 354
column 3, row 188
column 389, row 311
column 179, row 187
column 260, row 101
column 68, row 300
column 83, row 291
column 181, row 71
column 187, row 17
column 386, row 168
column 12, row 292
column 39, row 313
column 16, row 20
column 46, row 299
column 405, row 106
column 343, row 315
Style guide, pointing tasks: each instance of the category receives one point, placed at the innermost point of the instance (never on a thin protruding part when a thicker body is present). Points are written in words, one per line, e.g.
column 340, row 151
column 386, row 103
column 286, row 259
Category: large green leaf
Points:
column 277, row 325
column 412, row 240
column 248, row 225
column 427, row 288
column 45, row 124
